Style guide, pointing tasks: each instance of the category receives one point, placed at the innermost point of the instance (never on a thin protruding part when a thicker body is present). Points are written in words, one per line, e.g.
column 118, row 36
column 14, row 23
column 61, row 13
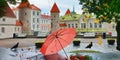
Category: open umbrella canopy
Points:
column 58, row 40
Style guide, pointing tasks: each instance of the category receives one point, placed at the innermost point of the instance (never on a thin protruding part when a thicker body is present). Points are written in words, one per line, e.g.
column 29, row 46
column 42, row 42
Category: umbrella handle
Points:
column 63, row 49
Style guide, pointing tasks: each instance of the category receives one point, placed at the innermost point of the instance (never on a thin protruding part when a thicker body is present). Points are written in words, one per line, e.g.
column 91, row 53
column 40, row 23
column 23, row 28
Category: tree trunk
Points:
column 118, row 35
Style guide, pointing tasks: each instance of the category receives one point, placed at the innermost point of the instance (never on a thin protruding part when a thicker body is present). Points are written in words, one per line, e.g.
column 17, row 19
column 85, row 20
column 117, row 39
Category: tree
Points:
column 106, row 11
column 2, row 6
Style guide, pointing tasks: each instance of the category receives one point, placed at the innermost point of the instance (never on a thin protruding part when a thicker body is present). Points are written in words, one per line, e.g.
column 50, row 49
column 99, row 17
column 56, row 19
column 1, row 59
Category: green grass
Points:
column 39, row 41
column 86, row 51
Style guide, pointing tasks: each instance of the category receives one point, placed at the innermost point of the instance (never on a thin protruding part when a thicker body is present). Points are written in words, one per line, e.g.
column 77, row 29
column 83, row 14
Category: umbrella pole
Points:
column 63, row 49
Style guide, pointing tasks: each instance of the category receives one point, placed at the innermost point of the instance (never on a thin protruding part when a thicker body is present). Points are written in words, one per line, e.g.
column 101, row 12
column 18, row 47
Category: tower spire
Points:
column 73, row 10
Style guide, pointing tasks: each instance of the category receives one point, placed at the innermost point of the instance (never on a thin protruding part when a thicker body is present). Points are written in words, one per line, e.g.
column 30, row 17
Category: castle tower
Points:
column 23, row 13
column 55, row 20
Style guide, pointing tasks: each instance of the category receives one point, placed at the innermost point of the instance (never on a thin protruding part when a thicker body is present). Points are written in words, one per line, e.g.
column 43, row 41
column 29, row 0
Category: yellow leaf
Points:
column 100, row 40
column 96, row 21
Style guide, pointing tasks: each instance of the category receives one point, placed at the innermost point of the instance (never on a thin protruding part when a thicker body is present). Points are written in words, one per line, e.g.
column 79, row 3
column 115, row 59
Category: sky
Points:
column 63, row 5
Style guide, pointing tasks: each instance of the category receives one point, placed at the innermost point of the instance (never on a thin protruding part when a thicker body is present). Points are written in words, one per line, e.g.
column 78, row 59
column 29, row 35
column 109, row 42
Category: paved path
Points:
column 26, row 42
column 23, row 42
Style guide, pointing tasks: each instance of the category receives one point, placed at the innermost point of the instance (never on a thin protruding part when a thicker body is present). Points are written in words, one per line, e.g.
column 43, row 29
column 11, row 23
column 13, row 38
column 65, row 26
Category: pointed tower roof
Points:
column 24, row 4
column 8, row 11
column 68, row 12
column 55, row 9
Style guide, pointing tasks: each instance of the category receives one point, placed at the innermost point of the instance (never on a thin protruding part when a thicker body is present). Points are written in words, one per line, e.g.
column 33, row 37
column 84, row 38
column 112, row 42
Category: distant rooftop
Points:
column 19, row 23
column 71, row 17
column 45, row 16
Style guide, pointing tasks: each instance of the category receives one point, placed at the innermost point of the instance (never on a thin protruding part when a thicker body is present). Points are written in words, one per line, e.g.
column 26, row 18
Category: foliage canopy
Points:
column 105, row 10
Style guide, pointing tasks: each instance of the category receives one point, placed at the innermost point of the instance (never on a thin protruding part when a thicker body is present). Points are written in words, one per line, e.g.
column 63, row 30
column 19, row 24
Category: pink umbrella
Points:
column 57, row 41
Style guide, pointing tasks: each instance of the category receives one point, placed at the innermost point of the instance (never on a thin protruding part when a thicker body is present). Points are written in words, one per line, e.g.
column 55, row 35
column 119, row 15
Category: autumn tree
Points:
column 106, row 11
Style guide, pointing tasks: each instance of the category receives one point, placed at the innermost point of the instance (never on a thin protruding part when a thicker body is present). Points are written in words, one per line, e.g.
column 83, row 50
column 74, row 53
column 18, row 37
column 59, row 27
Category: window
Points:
column 3, row 19
column 100, row 25
column 37, row 26
column 37, row 13
column 83, row 25
column 33, row 20
column 15, row 28
column 72, row 25
column 3, row 30
column 68, row 25
column 95, row 25
column 25, row 13
column 91, row 25
column 37, row 20
column 33, row 13
column 18, row 29
column 76, row 25
column 33, row 27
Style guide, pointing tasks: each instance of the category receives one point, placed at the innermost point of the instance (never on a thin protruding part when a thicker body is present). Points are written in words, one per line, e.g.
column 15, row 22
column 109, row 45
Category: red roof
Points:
column 45, row 16
column 8, row 11
column 19, row 23
column 27, row 5
column 63, row 24
column 55, row 9
column 34, row 7
column 67, row 12
column 24, row 5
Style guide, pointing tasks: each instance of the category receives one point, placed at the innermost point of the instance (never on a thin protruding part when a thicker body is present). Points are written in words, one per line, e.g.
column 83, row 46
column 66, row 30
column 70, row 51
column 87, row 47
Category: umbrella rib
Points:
column 62, row 48
column 63, row 39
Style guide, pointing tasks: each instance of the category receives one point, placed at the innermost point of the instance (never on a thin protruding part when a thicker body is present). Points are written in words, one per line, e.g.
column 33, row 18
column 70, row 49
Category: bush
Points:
column 39, row 44
column 76, row 42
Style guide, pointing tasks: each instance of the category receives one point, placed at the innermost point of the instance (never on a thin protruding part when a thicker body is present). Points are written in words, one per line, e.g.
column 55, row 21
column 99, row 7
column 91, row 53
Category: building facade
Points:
column 45, row 25
column 7, row 23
